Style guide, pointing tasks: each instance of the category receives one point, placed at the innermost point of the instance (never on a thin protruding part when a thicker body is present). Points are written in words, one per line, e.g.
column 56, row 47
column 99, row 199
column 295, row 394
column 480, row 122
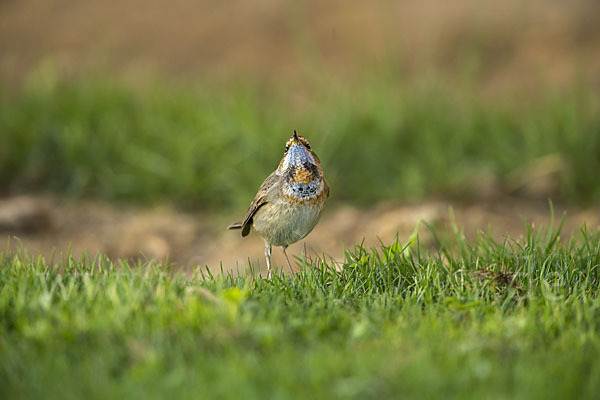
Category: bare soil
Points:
column 44, row 225
column 512, row 44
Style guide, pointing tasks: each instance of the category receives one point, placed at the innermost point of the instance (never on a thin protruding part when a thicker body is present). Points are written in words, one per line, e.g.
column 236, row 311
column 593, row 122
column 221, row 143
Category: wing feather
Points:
column 260, row 200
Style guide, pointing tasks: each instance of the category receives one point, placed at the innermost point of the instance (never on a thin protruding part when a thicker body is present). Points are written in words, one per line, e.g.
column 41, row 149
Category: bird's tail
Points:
column 235, row 225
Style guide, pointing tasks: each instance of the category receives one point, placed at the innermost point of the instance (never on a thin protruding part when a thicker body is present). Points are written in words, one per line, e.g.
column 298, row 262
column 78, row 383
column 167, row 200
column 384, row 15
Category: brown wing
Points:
column 326, row 187
column 260, row 200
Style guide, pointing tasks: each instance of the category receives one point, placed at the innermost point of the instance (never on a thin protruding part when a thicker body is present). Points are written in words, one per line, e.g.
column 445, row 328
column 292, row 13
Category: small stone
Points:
column 24, row 214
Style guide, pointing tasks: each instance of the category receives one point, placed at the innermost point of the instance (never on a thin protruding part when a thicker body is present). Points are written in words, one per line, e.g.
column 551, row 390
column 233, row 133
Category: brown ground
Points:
column 44, row 224
column 508, row 44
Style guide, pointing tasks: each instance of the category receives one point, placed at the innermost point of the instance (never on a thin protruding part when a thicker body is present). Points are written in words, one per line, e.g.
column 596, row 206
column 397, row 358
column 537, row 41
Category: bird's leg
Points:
column 284, row 248
column 268, row 257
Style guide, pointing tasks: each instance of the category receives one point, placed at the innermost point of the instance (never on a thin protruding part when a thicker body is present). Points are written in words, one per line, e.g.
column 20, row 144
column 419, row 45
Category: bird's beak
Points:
column 295, row 138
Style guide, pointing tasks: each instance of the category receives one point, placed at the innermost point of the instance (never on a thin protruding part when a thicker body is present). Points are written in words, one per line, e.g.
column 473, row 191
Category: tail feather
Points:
column 235, row 225
column 239, row 225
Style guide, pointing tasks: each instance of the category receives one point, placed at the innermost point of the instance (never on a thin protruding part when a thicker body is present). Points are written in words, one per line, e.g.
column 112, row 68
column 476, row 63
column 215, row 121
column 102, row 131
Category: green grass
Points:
column 482, row 319
column 209, row 146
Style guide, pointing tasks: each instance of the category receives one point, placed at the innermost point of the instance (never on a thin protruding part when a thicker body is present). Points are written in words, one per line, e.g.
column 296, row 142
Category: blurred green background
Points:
column 191, row 104
column 210, row 149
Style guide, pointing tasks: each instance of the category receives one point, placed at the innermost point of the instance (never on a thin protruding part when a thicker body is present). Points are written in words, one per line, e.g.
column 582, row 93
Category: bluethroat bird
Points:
column 289, row 202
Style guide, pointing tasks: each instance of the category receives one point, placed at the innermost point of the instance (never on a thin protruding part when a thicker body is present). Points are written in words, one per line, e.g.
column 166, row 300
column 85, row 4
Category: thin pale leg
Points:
column 268, row 257
column 284, row 248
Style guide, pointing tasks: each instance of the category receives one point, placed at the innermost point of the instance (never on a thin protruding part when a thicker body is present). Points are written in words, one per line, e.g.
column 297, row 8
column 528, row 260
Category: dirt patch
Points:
column 192, row 239
column 511, row 43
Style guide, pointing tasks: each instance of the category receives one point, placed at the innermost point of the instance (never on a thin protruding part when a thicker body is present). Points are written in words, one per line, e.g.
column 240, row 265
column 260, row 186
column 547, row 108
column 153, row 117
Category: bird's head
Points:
column 301, row 168
column 297, row 153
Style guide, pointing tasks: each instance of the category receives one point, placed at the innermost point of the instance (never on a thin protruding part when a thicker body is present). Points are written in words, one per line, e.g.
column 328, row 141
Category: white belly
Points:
column 281, row 223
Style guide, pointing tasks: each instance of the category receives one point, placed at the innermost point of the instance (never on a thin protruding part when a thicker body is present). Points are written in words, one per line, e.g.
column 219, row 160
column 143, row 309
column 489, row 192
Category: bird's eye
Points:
column 286, row 149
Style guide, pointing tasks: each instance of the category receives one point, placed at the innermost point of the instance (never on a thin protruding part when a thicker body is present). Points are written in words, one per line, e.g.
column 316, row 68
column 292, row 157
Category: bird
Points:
column 289, row 202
